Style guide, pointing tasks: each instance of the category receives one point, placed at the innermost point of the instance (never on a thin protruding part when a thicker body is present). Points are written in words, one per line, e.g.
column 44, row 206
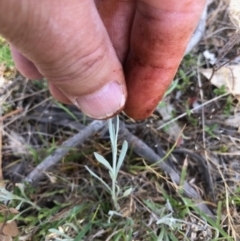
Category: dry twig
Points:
column 192, row 110
column 139, row 147
column 143, row 150
column 62, row 151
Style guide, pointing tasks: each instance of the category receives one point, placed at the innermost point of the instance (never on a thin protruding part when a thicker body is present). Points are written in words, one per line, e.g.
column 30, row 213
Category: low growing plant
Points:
column 113, row 170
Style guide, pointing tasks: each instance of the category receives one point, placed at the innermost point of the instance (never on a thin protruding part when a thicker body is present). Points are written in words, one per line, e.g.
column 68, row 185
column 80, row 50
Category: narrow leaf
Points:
column 111, row 131
column 99, row 178
column 111, row 174
column 83, row 232
column 115, row 147
column 103, row 161
column 161, row 235
column 59, row 233
column 127, row 192
column 117, row 127
column 118, row 189
column 122, row 155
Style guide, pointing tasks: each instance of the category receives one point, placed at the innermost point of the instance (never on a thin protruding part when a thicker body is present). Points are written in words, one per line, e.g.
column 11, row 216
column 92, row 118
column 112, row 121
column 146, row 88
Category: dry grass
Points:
column 206, row 154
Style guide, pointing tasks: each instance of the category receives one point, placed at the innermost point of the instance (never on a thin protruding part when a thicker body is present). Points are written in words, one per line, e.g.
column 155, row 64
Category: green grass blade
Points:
column 81, row 235
column 66, row 110
column 172, row 87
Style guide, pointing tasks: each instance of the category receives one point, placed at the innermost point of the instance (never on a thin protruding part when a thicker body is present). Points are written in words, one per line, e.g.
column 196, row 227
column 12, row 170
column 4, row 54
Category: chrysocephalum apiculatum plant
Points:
column 117, row 161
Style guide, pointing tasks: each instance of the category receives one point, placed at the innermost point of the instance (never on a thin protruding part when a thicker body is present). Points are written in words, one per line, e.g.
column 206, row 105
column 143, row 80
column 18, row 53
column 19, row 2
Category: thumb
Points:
column 68, row 44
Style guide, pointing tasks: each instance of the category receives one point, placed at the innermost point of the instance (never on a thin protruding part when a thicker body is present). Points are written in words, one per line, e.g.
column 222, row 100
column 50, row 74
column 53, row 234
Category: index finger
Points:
column 160, row 34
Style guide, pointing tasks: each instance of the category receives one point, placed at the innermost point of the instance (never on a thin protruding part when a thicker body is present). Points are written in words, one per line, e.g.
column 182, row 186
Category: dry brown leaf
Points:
column 13, row 211
column 5, row 238
column 228, row 76
column 166, row 112
column 10, row 229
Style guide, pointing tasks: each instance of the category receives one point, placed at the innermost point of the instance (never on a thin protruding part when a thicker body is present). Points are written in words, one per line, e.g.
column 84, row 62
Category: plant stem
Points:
column 114, row 157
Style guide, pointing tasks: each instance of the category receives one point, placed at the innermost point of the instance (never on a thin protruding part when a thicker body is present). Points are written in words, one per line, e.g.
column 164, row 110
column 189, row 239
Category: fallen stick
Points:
column 38, row 172
column 143, row 150
column 10, row 114
column 139, row 147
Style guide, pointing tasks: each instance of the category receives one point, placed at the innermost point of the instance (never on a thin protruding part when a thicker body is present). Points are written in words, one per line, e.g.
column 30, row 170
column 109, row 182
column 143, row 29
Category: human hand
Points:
column 102, row 56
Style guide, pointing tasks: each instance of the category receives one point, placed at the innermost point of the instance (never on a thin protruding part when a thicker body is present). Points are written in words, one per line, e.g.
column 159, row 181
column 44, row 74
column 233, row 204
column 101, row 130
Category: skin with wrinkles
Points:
column 152, row 63
column 80, row 46
column 117, row 17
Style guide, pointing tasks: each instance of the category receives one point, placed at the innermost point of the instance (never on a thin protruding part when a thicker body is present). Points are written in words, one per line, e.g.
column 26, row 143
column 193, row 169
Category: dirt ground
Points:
column 182, row 163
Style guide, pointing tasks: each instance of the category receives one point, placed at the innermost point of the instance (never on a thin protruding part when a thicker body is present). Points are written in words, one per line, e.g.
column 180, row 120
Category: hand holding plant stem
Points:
column 116, row 163
column 101, row 75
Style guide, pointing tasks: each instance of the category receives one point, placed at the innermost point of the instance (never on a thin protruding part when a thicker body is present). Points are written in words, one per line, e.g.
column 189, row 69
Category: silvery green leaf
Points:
column 59, row 233
column 114, row 133
column 111, row 214
column 161, row 235
column 127, row 192
column 167, row 238
column 115, row 130
column 118, row 189
column 6, row 195
column 169, row 220
column 169, row 206
column 19, row 205
column 21, row 188
column 99, row 178
column 122, row 155
column 117, row 127
column 111, row 174
column 74, row 227
column 103, row 161
column 111, row 131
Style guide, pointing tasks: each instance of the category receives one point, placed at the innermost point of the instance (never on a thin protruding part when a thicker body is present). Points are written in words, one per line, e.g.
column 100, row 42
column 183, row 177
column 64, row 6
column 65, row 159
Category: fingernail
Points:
column 104, row 102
